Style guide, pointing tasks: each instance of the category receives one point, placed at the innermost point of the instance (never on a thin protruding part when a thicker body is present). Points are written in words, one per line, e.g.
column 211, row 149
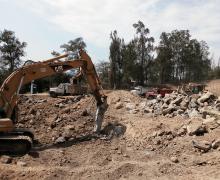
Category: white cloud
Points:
column 95, row 19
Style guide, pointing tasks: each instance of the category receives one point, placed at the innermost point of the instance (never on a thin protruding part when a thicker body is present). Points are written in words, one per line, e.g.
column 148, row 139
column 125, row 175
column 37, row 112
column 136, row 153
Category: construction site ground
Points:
column 132, row 145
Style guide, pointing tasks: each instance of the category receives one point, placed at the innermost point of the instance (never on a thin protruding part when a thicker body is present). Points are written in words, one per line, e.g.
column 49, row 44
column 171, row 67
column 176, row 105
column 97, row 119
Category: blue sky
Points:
column 46, row 24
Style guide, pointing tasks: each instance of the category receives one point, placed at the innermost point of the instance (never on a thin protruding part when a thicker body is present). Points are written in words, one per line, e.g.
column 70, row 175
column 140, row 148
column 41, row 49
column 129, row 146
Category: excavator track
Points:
column 15, row 145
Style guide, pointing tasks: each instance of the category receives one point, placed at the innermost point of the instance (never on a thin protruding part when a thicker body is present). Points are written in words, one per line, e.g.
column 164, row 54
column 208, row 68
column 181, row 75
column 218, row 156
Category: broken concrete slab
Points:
column 203, row 146
column 196, row 128
column 205, row 97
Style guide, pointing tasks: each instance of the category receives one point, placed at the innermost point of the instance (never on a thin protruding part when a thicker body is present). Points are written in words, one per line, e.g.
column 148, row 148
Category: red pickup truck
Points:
column 156, row 91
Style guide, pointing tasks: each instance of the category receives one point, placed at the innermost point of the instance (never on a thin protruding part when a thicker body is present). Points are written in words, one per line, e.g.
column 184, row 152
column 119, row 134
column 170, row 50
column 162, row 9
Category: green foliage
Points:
column 44, row 84
column 103, row 70
column 130, row 64
column 214, row 73
column 11, row 50
column 115, row 60
column 182, row 59
column 55, row 53
column 74, row 46
column 179, row 58
column 144, row 51
column 132, row 61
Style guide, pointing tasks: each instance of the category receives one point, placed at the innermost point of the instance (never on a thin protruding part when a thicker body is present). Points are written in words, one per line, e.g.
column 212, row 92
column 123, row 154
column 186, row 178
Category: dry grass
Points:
column 214, row 86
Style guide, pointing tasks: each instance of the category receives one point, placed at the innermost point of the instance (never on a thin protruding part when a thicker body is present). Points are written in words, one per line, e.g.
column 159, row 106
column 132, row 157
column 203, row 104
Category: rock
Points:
column 66, row 110
column 182, row 131
column 30, row 101
column 58, row 120
column 142, row 105
column 6, row 159
column 41, row 101
column 22, row 113
column 85, row 112
column 66, row 134
column 177, row 101
column 204, row 146
column 216, row 144
column 130, row 106
column 168, row 110
column 169, row 115
column 217, row 107
column 53, row 125
column 174, row 159
column 167, row 100
column 151, row 102
column 193, row 104
column 164, row 106
column 32, row 111
column 31, row 122
column 115, row 100
column 183, row 105
column 119, row 151
column 60, row 140
column 196, row 128
column 180, row 111
column 209, row 120
column 205, row 104
column 148, row 110
column 134, row 111
column 38, row 114
column 158, row 111
column 21, row 163
column 70, row 127
column 78, row 98
column 211, row 123
column 199, row 162
column 194, row 113
column 118, row 105
column 119, row 130
column 212, row 112
column 205, row 97
column 68, row 131
column 61, row 105
column 185, row 115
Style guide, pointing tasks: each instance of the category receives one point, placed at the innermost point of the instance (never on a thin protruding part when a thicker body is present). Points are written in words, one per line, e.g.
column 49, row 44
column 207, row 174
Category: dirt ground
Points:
column 134, row 145
column 214, row 86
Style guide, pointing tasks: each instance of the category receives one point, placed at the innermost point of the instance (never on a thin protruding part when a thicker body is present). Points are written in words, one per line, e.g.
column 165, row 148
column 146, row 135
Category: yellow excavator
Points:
column 14, row 141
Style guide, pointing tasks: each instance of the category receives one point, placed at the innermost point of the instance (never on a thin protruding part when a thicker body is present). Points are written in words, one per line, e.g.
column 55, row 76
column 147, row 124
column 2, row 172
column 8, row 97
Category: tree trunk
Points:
column 142, row 62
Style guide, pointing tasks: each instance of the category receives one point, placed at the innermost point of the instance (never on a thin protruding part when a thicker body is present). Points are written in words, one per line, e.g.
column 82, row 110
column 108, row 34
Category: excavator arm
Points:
column 10, row 88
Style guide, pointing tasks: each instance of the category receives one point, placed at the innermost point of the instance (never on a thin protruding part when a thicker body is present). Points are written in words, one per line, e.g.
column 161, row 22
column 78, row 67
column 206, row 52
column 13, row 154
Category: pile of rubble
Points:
column 56, row 119
column 202, row 105
column 201, row 111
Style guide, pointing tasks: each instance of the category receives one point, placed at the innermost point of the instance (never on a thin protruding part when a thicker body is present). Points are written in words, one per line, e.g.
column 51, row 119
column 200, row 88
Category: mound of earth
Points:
column 134, row 144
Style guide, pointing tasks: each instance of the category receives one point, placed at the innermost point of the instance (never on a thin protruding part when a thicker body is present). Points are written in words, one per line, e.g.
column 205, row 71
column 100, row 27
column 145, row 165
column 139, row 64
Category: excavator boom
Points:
column 19, row 142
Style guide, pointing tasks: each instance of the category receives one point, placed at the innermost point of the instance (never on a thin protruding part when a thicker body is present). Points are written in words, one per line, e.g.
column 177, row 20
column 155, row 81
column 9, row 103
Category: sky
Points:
column 46, row 24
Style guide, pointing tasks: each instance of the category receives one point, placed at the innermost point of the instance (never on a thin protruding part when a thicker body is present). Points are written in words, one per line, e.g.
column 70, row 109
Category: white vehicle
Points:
column 139, row 90
column 67, row 89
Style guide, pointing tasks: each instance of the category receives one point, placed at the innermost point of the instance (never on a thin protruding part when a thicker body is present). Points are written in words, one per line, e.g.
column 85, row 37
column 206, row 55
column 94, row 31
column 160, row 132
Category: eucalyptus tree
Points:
column 145, row 49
